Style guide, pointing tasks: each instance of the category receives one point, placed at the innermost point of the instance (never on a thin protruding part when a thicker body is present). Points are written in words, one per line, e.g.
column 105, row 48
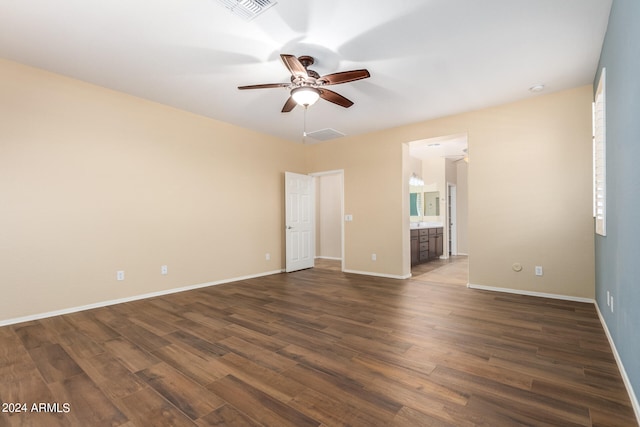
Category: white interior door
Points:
column 299, row 222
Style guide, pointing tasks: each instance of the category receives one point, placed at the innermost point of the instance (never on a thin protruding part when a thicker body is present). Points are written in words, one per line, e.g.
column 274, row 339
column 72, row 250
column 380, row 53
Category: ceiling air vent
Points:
column 325, row 134
column 247, row 9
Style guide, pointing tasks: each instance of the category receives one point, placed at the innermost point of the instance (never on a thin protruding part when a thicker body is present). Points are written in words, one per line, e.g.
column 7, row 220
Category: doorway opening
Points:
column 329, row 214
column 440, row 164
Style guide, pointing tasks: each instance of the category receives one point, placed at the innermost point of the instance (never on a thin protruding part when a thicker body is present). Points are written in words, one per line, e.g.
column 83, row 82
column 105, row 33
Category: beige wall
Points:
column 529, row 193
column 415, row 167
column 450, row 172
column 530, row 184
column 94, row 181
column 375, row 194
column 462, row 207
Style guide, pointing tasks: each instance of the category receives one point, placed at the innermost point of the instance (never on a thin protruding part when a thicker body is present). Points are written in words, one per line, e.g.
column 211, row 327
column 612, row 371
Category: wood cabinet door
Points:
column 432, row 247
column 439, row 245
column 415, row 250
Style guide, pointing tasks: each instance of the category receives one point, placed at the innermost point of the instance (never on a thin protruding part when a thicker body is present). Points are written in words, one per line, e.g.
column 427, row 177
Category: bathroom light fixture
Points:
column 415, row 181
column 305, row 95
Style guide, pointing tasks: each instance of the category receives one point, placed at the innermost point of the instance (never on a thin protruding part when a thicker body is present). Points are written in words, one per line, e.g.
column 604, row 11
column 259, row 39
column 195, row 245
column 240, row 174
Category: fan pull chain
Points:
column 304, row 130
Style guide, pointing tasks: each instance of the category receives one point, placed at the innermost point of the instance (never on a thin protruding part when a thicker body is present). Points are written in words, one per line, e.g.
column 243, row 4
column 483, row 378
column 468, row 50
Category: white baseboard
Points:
column 623, row 373
column 330, row 258
column 370, row 273
column 530, row 293
column 100, row 304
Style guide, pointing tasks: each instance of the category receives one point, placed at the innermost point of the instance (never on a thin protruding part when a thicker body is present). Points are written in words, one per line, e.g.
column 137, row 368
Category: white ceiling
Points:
column 453, row 147
column 427, row 58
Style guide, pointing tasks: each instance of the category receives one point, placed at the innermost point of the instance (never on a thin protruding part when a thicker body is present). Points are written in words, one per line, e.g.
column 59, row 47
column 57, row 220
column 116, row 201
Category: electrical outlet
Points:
column 164, row 270
column 267, row 256
column 538, row 270
column 120, row 275
column 374, row 257
column 348, row 218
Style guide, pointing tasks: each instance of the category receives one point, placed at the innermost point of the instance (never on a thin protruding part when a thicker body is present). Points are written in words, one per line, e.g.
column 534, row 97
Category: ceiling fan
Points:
column 307, row 85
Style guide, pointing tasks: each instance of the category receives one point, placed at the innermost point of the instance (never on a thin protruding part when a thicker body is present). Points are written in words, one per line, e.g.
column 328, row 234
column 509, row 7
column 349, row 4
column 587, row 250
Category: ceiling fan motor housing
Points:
column 306, row 61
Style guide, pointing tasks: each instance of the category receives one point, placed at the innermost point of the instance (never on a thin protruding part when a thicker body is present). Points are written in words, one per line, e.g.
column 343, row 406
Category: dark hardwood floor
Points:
column 317, row 348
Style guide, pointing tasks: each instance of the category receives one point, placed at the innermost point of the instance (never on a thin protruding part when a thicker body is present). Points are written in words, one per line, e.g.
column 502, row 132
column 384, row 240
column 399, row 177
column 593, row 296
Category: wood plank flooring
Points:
column 317, row 348
column 453, row 271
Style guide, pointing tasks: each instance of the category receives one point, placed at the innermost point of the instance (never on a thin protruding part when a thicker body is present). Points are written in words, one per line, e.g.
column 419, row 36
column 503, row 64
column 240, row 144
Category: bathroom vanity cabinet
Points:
column 426, row 244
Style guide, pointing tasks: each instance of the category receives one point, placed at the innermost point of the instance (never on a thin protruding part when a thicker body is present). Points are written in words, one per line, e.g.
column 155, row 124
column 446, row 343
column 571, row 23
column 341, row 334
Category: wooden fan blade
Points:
column 264, row 86
column 336, row 98
column 289, row 105
column 344, row 77
column 294, row 66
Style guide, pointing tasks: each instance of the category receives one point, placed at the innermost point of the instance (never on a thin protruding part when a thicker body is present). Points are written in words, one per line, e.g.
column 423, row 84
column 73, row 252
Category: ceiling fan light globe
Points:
column 305, row 96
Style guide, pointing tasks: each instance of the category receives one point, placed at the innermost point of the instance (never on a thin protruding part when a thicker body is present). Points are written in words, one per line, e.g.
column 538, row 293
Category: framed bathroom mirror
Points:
column 415, row 204
column 432, row 203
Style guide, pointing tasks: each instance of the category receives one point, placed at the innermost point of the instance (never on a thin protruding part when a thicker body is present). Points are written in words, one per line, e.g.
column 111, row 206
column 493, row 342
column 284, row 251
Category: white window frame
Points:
column 600, row 157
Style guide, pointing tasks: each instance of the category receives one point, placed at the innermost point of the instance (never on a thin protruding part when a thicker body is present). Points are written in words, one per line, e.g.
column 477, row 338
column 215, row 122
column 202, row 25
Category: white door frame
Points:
column 452, row 220
column 339, row 172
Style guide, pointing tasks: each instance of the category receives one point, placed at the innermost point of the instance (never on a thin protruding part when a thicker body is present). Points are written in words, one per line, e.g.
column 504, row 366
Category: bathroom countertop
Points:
column 419, row 225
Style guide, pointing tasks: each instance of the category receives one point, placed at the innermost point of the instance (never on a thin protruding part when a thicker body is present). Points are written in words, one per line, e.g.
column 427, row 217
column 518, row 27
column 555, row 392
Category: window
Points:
column 599, row 158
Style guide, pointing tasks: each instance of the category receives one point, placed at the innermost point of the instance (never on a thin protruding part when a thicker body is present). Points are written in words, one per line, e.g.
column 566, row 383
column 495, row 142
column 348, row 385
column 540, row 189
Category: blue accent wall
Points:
column 618, row 254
